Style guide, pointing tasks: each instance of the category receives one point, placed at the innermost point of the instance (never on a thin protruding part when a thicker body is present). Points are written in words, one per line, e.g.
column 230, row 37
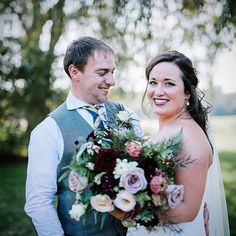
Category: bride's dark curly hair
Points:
column 197, row 110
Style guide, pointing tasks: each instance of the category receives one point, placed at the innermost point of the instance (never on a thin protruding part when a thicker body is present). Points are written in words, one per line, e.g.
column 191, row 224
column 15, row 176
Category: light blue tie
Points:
column 93, row 110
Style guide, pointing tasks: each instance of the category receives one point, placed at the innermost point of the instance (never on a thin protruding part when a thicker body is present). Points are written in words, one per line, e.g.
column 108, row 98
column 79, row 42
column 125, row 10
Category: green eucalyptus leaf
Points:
column 65, row 174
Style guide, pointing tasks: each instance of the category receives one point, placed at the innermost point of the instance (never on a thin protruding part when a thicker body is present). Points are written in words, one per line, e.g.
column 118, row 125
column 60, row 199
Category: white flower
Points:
column 175, row 195
column 97, row 178
column 122, row 166
column 125, row 201
column 123, row 116
column 90, row 165
column 90, row 151
column 102, row 203
column 77, row 211
column 90, row 148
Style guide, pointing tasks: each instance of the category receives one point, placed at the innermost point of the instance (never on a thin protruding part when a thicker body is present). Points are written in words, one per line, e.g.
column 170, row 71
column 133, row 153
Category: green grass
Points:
column 14, row 221
column 224, row 129
column 228, row 166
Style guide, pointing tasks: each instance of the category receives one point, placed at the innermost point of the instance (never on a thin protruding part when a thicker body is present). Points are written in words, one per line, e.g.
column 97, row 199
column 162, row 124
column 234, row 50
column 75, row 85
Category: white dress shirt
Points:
column 45, row 151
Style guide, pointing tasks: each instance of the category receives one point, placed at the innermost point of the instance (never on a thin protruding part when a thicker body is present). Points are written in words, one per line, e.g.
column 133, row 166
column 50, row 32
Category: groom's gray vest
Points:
column 73, row 125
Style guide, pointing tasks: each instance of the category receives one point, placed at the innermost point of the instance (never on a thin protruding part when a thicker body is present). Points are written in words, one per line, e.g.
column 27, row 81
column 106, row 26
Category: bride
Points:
column 172, row 91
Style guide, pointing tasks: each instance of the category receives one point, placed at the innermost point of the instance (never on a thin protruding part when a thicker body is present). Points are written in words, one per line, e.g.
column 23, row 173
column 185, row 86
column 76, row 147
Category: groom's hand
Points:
column 119, row 214
column 206, row 216
column 124, row 217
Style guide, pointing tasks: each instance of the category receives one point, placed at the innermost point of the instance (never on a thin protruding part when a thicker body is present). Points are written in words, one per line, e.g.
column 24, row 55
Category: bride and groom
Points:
column 171, row 92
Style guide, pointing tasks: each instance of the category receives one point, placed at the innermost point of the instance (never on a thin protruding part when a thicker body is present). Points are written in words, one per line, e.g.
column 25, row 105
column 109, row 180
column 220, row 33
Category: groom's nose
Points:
column 110, row 80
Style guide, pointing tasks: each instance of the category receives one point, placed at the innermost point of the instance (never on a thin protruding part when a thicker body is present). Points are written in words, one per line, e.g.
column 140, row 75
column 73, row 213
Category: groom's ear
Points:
column 74, row 72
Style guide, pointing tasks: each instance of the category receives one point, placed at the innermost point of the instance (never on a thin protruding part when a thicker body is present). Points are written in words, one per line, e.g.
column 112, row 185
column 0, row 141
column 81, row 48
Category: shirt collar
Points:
column 73, row 102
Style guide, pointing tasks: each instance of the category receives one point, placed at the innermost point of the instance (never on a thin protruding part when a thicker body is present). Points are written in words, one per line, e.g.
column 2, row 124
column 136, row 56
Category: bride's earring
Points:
column 187, row 103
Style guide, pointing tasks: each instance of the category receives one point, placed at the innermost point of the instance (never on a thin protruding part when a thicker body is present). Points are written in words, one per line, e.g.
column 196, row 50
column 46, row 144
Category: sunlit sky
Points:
column 223, row 70
column 223, row 73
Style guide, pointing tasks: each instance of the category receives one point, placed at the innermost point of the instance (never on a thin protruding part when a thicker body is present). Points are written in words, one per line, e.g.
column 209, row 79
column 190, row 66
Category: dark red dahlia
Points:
column 149, row 167
column 107, row 185
column 106, row 161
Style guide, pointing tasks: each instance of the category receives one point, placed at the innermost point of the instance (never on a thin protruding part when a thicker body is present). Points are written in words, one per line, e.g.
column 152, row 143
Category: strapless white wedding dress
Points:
column 214, row 196
column 193, row 228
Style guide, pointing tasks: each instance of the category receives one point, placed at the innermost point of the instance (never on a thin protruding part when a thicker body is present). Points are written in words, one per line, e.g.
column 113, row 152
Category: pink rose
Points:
column 77, row 183
column 158, row 184
column 102, row 203
column 175, row 194
column 125, row 201
column 133, row 180
column 133, row 148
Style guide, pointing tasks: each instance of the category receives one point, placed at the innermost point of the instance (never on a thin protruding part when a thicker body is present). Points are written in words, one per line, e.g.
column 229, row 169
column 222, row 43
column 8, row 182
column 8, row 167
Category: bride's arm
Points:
column 193, row 177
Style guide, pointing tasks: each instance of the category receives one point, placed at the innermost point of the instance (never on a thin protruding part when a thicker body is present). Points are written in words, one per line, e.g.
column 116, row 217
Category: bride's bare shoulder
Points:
column 193, row 133
column 194, row 139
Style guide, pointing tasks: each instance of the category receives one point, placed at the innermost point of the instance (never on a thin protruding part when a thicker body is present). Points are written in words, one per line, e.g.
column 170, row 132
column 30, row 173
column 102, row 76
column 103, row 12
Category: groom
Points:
column 90, row 64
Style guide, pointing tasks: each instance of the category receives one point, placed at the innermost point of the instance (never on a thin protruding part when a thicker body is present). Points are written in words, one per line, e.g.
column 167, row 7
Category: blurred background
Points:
column 34, row 36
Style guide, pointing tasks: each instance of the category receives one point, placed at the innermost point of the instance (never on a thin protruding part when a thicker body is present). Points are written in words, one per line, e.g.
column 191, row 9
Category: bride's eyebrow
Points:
column 152, row 78
column 165, row 79
column 169, row 80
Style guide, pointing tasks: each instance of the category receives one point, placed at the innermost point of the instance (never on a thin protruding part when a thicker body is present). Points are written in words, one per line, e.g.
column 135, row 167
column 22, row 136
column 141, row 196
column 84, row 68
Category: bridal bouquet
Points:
column 114, row 169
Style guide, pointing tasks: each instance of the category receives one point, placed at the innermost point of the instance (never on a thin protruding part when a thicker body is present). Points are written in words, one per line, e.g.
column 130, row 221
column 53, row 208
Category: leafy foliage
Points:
column 32, row 32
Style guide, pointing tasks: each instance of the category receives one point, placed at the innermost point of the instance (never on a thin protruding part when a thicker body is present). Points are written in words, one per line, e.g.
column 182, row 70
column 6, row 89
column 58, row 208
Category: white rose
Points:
column 77, row 211
column 123, row 116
